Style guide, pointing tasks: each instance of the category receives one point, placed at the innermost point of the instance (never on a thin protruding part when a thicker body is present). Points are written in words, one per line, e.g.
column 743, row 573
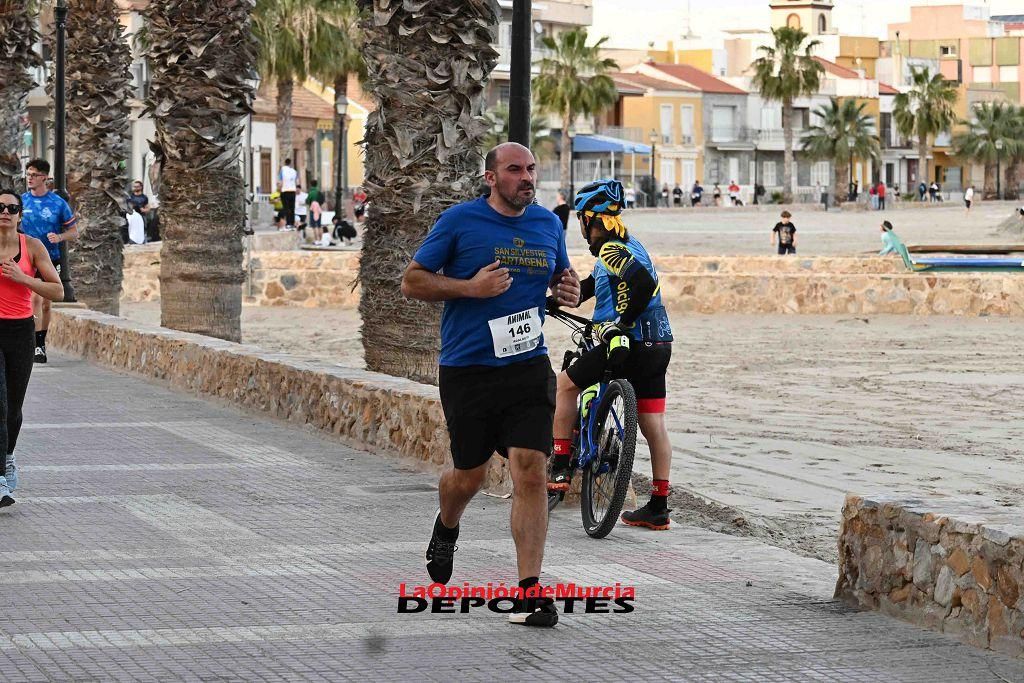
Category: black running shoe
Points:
column 6, row 500
column 440, row 554
column 646, row 517
column 534, row 612
column 40, row 354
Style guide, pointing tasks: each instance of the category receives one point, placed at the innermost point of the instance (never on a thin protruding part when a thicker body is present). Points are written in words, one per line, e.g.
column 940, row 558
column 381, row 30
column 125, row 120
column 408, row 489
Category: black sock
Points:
column 529, row 581
column 658, row 503
column 41, row 338
column 560, row 462
column 443, row 532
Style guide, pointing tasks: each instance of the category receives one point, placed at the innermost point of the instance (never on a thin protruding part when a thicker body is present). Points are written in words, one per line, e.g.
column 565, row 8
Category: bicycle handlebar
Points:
column 556, row 312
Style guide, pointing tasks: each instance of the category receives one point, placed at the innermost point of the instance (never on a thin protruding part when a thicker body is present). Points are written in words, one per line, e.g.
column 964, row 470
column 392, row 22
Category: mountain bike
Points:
column 604, row 437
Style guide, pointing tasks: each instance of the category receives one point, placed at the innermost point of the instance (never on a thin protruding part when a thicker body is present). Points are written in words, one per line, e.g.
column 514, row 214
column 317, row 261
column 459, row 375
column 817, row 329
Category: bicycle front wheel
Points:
column 606, row 478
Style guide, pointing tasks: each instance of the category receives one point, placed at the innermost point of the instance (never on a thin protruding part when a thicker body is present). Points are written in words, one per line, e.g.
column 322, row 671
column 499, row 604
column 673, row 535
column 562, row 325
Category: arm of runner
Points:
column 587, row 288
column 49, row 286
column 68, row 226
column 565, row 288
column 421, row 283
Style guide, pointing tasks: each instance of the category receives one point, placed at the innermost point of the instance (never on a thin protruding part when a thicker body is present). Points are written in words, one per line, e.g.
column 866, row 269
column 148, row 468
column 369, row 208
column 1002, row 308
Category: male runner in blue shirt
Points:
column 492, row 261
column 49, row 219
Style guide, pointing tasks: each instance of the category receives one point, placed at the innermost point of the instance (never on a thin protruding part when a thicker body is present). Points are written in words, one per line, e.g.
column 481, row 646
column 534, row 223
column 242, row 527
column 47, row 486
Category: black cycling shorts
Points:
column 645, row 368
column 492, row 409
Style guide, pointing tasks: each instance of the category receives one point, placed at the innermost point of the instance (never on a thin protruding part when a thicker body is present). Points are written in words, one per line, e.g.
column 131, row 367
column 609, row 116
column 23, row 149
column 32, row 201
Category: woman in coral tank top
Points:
column 23, row 260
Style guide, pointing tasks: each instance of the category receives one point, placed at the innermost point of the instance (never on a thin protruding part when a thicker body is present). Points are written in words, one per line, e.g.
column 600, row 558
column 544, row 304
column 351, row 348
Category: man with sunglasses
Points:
column 47, row 217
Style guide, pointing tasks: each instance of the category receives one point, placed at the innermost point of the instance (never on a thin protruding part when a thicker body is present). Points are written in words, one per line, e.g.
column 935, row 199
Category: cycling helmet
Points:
column 602, row 199
column 601, row 196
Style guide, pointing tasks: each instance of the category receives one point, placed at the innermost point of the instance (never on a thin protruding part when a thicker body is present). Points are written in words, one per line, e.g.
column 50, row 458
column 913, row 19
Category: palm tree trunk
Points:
column 989, row 191
column 565, row 155
column 340, row 90
column 922, row 164
column 18, row 36
column 842, row 188
column 98, row 117
column 202, row 104
column 1011, row 189
column 787, row 155
column 285, row 144
column 418, row 162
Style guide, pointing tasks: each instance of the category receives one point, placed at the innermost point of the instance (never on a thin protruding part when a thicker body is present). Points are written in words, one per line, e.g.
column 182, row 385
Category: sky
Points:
column 633, row 23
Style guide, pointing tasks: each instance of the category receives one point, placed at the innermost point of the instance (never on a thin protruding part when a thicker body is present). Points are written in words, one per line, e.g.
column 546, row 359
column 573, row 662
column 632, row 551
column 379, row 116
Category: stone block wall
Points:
column 364, row 409
column 691, row 284
column 948, row 564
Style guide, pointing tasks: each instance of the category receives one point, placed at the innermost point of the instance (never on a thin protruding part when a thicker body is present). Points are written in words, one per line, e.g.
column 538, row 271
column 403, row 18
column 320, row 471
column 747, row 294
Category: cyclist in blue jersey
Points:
column 49, row 219
column 625, row 284
column 492, row 261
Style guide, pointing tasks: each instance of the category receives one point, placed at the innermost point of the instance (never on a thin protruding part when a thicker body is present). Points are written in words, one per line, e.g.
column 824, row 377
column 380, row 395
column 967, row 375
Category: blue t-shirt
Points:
column 500, row 330
column 46, row 214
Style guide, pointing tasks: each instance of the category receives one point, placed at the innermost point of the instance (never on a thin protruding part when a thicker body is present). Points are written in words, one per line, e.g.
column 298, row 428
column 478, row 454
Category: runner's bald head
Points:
column 496, row 155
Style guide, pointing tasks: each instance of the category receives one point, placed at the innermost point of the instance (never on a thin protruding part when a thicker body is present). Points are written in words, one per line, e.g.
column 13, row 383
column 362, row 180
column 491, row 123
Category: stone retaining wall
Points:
column 364, row 409
column 951, row 565
column 692, row 284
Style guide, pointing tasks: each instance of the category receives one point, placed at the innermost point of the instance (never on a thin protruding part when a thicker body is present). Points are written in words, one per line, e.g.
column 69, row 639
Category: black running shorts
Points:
column 492, row 409
column 645, row 368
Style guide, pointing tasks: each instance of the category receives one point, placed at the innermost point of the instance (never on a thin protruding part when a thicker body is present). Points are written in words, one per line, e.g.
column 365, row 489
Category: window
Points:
column 982, row 74
column 689, row 173
column 686, row 116
column 734, row 169
column 948, row 50
column 666, row 124
column 793, row 21
column 668, row 172
column 822, row 23
column 768, row 174
column 1008, row 74
column 723, row 123
column 820, row 173
column 771, row 118
column 505, row 33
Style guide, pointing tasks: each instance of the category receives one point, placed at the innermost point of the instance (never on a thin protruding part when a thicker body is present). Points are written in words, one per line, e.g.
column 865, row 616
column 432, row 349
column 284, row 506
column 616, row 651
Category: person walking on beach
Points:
column 968, row 198
column 289, row 179
column 22, row 258
column 785, row 231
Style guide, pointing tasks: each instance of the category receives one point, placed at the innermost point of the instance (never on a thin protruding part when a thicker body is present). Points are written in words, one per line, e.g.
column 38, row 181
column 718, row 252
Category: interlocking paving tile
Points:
column 161, row 537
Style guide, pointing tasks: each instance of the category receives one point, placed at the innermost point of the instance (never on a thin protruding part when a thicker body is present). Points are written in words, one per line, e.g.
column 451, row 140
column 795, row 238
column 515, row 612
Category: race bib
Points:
column 516, row 333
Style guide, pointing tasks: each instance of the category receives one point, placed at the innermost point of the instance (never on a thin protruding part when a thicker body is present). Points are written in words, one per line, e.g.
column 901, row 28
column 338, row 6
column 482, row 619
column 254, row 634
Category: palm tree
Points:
column 845, row 133
column 573, row 81
column 925, row 110
column 297, row 39
column 18, row 36
column 98, row 115
column 202, row 56
column 1015, row 163
column 339, row 59
column 427, row 66
column 986, row 139
column 783, row 73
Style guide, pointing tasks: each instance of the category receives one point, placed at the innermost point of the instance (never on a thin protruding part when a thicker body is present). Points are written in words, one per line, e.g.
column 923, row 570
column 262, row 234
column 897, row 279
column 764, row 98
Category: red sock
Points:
column 562, row 446
column 659, row 487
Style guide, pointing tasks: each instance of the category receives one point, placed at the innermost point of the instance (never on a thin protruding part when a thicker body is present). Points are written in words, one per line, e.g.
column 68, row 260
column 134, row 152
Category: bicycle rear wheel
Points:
column 606, row 479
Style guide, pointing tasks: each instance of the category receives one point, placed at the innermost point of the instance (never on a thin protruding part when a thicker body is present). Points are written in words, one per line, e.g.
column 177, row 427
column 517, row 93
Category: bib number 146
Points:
column 516, row 333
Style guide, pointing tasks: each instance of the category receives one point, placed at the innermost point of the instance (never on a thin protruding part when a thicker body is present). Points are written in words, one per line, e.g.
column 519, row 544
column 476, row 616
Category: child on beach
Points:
column 786, row 232
column 889, row 239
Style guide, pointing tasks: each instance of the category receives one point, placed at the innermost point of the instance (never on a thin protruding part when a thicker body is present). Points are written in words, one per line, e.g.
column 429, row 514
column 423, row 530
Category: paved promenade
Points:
column 161, row 537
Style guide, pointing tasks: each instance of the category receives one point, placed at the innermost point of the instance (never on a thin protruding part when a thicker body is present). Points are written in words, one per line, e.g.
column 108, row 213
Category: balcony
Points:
column 728, row 134
column 672, row 140
column 891, row 139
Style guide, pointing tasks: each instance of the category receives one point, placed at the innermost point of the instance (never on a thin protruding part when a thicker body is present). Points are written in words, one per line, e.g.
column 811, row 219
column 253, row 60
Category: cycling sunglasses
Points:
column 13, row 209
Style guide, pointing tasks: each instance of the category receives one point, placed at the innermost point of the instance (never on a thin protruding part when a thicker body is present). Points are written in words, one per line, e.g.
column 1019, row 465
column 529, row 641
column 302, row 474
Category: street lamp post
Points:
column 519, row 74
column 999, row 171
column 572, row 165
column 654, row 177
column 341, row 107
column 59, row 172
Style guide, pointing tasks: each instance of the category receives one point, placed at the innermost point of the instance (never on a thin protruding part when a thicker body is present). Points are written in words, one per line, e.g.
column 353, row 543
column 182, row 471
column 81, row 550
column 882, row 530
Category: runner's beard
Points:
column 517, row 201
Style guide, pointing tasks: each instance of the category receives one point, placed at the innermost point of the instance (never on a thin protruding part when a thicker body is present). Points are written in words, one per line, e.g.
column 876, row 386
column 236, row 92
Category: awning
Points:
column 602, row 144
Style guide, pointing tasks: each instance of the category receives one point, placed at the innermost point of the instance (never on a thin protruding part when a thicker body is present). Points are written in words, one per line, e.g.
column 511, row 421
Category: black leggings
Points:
column 17, row 349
